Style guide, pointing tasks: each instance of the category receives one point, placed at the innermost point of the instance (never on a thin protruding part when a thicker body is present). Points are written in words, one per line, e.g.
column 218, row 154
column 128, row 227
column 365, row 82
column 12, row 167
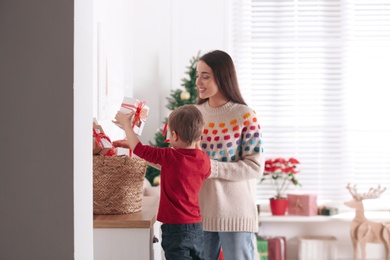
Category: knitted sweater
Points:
column 232, row 140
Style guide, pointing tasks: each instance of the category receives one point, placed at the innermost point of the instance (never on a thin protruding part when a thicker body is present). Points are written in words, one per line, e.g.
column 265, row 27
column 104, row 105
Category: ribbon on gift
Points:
column 164, row 133
column 139, row 114
column 99, row 137
column 111, row 152
column 99, row 141
column 298, row 205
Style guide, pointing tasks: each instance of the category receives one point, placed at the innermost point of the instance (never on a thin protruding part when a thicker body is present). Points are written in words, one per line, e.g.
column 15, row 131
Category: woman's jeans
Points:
column 182, row 241
column 235, row 245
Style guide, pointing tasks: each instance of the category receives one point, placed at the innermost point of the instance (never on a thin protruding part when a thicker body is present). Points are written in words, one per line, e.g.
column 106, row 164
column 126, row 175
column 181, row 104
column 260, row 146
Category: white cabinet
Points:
column 128, row 236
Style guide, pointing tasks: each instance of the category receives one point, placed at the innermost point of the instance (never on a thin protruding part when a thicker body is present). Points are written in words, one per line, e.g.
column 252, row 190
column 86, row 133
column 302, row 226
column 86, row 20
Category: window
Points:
column 317, row 73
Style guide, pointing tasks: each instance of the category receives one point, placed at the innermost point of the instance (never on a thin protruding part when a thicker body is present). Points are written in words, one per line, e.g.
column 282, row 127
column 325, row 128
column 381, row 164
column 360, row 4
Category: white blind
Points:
column 317, row 73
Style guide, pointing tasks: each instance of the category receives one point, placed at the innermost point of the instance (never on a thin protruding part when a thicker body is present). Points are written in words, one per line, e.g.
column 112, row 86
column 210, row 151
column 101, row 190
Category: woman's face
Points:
column 207, row 87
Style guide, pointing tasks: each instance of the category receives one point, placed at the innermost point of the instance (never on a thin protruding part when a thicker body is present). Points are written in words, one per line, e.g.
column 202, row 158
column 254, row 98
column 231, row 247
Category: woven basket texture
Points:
column 117, row 184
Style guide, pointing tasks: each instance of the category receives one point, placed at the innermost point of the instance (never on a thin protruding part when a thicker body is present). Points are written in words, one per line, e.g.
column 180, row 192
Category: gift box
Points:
column 122, row 151
column 327, row 211
column 302, row 204
column 101, row 142
column 277, row 247
column 262, row 248
column 141, row 113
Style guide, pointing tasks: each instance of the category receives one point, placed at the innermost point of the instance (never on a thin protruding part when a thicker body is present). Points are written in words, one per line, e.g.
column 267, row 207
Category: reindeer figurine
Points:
column 362, row 230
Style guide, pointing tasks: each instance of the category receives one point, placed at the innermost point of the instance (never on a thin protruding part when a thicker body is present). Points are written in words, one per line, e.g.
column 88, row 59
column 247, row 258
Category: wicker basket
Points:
column 117, row 184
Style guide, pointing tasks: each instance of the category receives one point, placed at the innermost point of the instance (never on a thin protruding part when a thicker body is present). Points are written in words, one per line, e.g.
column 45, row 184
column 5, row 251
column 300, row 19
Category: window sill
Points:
column 376, row 216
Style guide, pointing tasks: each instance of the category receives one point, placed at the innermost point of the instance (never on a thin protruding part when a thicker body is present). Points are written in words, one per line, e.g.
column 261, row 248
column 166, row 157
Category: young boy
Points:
column 184, row 167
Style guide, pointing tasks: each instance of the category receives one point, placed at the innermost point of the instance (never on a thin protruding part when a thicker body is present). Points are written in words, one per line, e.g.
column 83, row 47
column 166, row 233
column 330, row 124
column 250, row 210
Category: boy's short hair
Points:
column 187, row 122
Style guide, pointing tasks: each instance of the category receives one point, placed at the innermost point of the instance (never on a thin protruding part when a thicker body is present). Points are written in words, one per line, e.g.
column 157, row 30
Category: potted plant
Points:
column 281, row 173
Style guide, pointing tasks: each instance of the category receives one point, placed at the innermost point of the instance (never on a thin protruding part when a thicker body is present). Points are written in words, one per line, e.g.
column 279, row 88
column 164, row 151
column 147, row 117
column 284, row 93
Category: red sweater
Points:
column 182, row 174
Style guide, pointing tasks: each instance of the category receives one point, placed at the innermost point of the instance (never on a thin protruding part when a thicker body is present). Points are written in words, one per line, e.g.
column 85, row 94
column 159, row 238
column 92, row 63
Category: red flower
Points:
column 293, row 161
column 280, row 160
column 281, row 172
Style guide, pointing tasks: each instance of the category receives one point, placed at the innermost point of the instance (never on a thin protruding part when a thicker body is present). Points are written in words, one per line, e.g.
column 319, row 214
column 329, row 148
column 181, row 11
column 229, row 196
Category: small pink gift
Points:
column 302, row 204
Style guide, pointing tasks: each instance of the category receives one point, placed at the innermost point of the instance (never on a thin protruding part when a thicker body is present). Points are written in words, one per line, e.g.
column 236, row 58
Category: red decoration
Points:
column 281, row 173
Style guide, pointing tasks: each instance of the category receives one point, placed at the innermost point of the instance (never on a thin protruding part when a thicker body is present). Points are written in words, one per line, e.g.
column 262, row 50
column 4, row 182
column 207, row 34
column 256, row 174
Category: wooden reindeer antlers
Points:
column 353, row 191
column 371, row 194
column 363, row 231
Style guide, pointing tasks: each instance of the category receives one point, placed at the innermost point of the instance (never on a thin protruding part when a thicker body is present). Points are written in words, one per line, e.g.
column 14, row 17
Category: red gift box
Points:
column 277, row 247
column 302, row 204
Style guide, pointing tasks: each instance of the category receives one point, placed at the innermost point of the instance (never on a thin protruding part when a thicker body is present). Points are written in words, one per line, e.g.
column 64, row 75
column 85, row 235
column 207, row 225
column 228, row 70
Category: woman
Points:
column 232, row 140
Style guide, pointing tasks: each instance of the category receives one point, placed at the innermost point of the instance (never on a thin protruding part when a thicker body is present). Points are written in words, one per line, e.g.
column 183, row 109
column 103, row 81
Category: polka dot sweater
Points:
column 232, row 140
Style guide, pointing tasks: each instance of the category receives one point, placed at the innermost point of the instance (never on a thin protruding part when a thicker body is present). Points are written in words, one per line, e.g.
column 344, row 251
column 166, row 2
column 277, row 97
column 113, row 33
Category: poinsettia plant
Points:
column 281, row 173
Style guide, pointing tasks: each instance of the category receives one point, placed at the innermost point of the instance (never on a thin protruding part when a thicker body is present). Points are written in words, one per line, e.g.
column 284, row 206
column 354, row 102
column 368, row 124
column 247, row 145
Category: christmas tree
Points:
column 185, row 95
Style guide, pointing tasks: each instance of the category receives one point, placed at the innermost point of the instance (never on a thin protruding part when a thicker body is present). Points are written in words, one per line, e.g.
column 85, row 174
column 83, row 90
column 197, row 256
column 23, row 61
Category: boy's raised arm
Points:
column 125, row 120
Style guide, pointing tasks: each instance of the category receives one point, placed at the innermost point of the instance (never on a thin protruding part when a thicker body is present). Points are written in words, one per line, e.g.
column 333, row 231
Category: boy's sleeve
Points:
column 149, row 153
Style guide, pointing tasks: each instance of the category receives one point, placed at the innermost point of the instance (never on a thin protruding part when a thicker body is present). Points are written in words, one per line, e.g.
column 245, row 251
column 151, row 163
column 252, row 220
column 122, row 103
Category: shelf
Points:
column 377, row 216
column 143, row 219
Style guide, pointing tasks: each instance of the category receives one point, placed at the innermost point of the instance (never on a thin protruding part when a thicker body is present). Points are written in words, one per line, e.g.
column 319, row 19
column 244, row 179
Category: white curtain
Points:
column 318, row 75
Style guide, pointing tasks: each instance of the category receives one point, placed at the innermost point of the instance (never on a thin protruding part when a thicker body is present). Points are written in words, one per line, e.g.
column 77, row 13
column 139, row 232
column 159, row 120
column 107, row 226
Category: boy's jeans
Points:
column 182, row 241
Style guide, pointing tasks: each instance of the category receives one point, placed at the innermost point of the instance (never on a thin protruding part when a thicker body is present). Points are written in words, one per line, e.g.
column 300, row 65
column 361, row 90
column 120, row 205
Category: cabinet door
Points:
column 122, row 243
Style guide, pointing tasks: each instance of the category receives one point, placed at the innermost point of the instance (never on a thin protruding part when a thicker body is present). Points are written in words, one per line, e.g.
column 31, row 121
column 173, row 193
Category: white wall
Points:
column 164, row 36
column 112, row 52
column 82, row 100
column 180, row 29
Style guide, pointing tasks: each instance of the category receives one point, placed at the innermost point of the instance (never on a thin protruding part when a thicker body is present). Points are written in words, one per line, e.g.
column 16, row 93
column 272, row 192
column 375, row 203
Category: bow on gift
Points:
column 165, row 133
column 139, row 111
column 99, row 141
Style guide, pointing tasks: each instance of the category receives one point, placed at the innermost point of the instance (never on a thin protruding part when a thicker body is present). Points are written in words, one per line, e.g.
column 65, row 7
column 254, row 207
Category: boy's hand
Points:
column 123, row 119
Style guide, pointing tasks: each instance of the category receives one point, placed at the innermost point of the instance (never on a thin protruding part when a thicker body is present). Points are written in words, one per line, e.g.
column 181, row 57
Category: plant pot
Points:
column 278, row 206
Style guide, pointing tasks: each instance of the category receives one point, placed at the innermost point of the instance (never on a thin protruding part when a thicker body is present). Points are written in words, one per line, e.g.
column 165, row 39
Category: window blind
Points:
column 316, row 72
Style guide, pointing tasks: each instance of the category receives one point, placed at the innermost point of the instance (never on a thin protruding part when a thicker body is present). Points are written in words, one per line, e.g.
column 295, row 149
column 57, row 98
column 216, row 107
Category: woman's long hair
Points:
column 224, row 74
